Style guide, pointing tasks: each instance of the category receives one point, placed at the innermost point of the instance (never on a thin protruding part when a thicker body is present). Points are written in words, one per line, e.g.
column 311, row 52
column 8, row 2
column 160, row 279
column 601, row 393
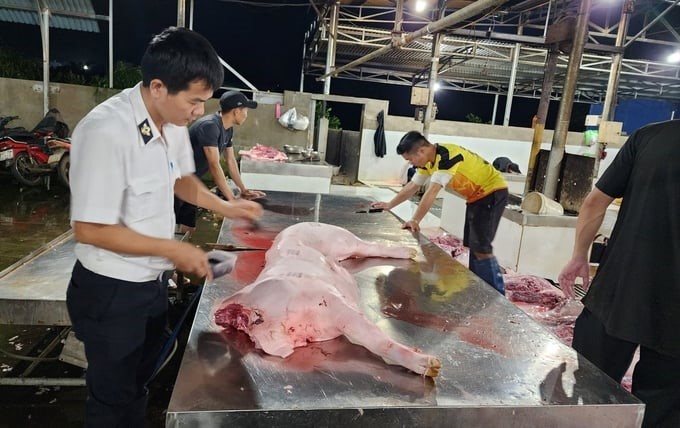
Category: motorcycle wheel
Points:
column 63, row 168
column 21, row 171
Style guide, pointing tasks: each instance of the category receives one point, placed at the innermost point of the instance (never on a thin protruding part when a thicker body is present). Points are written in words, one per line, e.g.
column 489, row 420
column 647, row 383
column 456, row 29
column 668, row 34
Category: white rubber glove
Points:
column 221, row 262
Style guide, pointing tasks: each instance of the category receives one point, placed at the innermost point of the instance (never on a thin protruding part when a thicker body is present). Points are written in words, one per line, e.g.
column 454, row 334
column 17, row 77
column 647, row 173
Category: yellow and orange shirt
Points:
column 462, row 171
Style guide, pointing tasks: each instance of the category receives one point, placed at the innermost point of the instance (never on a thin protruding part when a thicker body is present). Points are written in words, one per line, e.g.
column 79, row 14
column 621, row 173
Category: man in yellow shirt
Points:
column 471, row 177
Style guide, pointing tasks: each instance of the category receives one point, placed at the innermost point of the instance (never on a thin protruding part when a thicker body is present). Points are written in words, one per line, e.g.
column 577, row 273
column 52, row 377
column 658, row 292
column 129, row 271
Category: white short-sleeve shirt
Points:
column 123, row 172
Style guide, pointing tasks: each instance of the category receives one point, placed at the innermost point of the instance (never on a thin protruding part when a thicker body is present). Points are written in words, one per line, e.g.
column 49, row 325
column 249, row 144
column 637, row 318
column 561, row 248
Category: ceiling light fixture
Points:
column 420, row 5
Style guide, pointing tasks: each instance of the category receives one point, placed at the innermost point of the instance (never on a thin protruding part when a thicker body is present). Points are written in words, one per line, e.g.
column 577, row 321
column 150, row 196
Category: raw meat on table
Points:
column 303, row 295
column 450, row 244
column 537, row 297
column 532, row 289
column 260, row 152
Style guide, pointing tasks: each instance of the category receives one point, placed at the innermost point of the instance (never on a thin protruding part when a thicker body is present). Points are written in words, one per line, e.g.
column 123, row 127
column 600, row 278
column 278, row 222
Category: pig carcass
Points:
column 303, row 295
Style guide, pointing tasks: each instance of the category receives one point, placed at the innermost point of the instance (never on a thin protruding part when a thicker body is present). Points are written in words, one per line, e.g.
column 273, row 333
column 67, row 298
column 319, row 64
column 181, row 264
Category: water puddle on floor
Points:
column 32, row 217
column 29, row 219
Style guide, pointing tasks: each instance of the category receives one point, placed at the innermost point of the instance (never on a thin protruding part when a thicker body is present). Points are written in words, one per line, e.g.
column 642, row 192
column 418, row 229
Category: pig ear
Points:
column 221, row 262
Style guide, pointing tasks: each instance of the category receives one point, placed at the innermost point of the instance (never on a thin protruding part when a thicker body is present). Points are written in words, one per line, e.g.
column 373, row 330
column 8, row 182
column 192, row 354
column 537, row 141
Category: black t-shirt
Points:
column 208, row 131
column 636, row 292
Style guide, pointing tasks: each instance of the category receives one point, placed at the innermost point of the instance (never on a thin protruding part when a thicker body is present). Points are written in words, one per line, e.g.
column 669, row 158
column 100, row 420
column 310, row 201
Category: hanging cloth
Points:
column 379, row 136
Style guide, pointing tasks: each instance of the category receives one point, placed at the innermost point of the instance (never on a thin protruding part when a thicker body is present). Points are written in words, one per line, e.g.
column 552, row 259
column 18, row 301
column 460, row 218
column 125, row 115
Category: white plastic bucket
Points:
column 538, row 203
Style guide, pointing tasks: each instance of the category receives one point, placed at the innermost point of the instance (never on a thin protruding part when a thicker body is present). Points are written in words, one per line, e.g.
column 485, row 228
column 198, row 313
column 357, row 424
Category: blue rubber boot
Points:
column 489, row 271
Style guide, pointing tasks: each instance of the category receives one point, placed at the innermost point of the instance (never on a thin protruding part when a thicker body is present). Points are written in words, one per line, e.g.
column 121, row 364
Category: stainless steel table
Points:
column 500, row 368
column 299, row 175
column 33, row 290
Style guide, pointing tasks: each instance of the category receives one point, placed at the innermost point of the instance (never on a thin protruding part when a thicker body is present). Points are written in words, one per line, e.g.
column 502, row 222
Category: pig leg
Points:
column 274, row 341
column 354, row 246
column 358, row 330
column 338, row 243
column 368, row 249
column 356, row 265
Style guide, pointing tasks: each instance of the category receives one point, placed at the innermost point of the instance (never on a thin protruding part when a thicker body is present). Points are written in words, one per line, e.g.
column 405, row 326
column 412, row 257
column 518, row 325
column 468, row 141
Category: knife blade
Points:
column 232, row 247
column 370, row 210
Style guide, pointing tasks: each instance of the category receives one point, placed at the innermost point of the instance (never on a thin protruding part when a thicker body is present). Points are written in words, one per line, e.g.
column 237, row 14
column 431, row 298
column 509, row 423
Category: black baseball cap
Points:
column 234, row 99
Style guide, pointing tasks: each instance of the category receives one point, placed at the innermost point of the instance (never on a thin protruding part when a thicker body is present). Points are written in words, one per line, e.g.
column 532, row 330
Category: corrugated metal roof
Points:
column 484, row 64
column 78, row 15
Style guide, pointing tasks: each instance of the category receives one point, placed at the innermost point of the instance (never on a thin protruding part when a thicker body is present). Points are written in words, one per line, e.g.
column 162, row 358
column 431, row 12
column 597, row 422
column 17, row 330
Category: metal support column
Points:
column 181, row 13
column 45, row 33
column 330, row 54
column 609, row 105
column 495, row 109
column 110, row 43
column 542, row 113
column 511, row 85
column 302, row 65
column 434, row 72
column 398, row 21
column 191, row 15
column 567, row 101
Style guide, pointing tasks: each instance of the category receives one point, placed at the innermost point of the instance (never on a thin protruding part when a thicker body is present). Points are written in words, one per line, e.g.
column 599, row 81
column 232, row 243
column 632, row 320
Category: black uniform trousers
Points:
column 481, row 221
column 122, row 326
column 185, row 213
column 656, row 377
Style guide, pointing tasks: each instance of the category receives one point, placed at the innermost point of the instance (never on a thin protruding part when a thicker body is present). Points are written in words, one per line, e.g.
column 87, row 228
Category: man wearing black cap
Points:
column 211, row 136
column 504, row 164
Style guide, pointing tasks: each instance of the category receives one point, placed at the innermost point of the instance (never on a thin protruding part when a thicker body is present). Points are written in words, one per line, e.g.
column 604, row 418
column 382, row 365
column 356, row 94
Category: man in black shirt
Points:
column 211, row 136
column 634, row 299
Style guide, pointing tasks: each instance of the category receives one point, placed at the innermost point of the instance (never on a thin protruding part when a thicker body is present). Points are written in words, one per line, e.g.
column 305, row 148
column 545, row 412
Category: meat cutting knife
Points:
column 370, row 210
column 232, row 247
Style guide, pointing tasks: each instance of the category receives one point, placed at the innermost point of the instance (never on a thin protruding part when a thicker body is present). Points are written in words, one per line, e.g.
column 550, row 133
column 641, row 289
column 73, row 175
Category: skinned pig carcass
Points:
column 303, row 295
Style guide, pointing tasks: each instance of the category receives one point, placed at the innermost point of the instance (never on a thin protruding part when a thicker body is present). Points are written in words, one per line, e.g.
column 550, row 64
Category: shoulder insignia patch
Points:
column 145, row 131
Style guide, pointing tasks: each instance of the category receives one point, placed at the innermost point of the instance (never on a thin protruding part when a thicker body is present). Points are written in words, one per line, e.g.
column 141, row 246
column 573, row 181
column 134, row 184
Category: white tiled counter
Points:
column 527, row 243
column 303, row 177
column 535, row 244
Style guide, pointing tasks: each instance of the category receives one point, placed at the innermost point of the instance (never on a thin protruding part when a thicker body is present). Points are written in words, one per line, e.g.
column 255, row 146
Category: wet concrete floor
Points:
column 30, row 218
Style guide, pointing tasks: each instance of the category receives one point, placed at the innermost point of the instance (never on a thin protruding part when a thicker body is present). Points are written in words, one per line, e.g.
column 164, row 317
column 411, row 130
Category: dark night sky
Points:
column 264, row 44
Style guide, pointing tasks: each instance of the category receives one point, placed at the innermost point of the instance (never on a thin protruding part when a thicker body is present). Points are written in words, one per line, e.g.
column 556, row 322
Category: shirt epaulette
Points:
column 145, row 131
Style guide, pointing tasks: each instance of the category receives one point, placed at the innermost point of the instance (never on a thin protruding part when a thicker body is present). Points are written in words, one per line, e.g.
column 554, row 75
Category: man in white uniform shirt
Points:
column 129, row 155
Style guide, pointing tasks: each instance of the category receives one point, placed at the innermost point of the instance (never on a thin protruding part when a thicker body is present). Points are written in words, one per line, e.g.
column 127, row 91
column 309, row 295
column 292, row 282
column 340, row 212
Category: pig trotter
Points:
column 433, row 366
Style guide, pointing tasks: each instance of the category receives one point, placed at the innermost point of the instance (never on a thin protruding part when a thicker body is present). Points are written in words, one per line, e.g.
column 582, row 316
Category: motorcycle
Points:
column 33, row 156
column 4, row 121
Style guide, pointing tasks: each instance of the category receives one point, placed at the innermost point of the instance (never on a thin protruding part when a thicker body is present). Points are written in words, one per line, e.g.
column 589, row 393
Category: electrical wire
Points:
column 166, row 354
column 170, row 355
